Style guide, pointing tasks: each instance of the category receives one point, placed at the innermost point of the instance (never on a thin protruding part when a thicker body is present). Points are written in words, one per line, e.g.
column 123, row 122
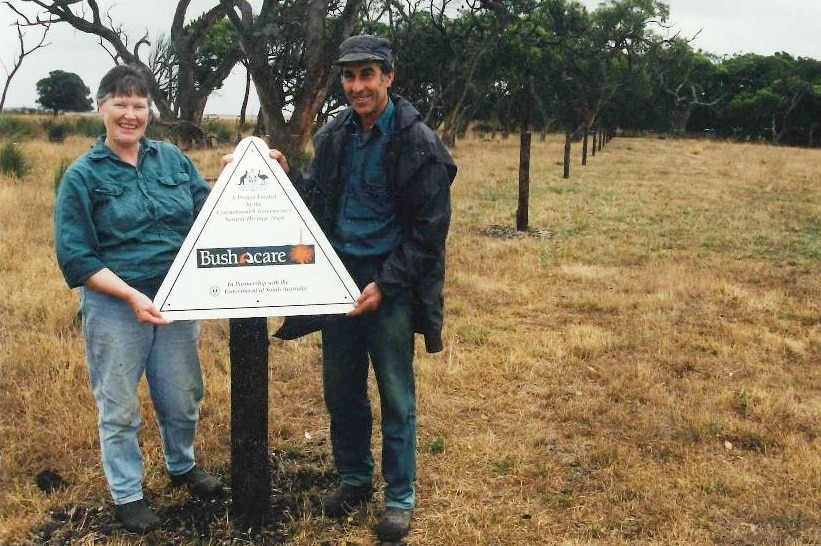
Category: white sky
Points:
column 727, row 27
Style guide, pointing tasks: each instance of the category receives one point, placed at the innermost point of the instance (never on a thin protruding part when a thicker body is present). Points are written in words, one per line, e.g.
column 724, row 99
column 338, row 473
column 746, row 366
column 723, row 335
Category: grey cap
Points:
column 364, row 48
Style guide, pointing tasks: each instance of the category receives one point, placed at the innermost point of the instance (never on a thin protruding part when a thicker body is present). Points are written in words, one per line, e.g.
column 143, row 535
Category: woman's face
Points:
column 125, row 118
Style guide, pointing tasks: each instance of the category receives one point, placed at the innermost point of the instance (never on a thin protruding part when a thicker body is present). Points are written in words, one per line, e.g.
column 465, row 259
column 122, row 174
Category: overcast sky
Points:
column 724, row 27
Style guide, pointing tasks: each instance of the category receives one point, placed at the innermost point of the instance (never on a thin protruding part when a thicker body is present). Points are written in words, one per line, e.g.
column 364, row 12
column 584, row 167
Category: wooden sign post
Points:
column 250, row 469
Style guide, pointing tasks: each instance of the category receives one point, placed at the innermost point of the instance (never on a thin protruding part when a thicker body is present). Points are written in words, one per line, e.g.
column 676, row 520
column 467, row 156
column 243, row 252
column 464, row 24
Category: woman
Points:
column 122, row 212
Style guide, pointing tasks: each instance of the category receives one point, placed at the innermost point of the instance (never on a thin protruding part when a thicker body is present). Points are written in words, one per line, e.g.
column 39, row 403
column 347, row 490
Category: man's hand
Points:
column 368, row 301
column 280, row 158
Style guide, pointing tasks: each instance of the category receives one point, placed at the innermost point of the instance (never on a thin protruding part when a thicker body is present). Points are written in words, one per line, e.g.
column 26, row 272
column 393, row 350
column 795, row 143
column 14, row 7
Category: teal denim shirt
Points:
column 131, row 220
column 366, row 223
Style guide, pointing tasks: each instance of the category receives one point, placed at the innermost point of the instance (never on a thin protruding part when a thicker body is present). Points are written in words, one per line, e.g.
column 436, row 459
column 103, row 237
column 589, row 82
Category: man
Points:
column 379, row 186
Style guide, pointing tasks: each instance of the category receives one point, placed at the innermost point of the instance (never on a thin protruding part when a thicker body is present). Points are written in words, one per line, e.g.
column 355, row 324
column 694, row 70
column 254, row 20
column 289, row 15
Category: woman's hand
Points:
column 107, row 282
column 145, row 311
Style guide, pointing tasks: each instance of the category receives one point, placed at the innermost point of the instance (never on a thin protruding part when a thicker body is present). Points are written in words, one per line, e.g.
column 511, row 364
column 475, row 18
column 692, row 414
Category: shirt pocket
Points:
column 174, row 201
column 114, row 209
column 373, row 199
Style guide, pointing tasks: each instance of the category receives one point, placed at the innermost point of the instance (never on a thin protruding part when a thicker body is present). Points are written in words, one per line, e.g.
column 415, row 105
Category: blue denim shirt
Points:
column 131, row 220
column 366, row 224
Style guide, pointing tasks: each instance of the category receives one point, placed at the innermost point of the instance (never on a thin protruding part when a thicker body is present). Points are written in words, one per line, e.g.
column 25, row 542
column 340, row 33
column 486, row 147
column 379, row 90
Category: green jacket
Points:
column 420, row 172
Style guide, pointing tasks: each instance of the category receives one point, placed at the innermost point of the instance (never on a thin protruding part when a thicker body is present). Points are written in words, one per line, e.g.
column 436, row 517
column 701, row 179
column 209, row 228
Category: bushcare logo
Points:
column 261, row 255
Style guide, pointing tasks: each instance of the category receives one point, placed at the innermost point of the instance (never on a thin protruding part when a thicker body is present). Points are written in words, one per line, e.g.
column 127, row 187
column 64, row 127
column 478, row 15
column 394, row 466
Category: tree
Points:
column 192, row 84
column 289, row 47
column 64, row 91
column 24, row 51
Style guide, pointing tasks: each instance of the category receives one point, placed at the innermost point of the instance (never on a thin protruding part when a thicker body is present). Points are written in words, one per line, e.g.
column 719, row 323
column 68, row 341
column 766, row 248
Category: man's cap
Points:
column 364, row 48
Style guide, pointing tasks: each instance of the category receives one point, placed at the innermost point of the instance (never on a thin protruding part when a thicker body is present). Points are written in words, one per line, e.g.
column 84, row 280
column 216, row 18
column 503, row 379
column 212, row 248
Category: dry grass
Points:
column 641, row 369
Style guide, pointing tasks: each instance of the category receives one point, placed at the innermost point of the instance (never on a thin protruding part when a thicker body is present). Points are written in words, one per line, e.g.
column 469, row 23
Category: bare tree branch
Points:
column 24, row 51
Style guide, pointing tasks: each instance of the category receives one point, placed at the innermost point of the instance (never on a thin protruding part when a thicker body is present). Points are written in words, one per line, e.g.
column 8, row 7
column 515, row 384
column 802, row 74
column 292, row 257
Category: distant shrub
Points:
column 89, row 126
column 156, row 131
column 56, row 131
column 14, row 128
column 483, row 126
column 13, row 161
column 224, row 131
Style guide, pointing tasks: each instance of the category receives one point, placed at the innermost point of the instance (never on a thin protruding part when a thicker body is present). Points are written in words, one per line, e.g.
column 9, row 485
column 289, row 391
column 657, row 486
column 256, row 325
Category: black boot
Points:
column 345, row 499
column 137, row 517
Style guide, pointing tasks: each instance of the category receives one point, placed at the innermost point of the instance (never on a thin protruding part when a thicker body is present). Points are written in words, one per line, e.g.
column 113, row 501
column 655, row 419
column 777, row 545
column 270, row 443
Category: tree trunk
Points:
column 524, row 182
column 244, row 107
column 595, row 140
column 294, row 135
column 584, row 146
column 568, row 136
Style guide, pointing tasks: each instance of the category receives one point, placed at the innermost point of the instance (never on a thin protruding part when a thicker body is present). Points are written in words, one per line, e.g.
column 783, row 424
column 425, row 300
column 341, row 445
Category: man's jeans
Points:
column 387, row 336
column 118, row 351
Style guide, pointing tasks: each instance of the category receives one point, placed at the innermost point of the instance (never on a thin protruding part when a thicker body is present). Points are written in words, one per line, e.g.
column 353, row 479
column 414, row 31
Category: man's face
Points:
column 366, row 88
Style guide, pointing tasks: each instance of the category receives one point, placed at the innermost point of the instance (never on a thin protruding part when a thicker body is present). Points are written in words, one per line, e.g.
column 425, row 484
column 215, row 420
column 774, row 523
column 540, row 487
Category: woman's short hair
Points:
column 124, row 80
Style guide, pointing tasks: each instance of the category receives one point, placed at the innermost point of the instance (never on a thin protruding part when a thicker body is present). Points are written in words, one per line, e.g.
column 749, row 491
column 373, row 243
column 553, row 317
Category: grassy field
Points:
column 641, row 368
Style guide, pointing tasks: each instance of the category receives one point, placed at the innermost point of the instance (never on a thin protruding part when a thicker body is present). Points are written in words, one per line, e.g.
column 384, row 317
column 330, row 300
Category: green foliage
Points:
column 59, row 172
column 217, row 44
column 13, row 127
column 89, row 126
column 224, row 131
column 13, row 161
column 63, row 92
column 56, row 131
column 436, row 445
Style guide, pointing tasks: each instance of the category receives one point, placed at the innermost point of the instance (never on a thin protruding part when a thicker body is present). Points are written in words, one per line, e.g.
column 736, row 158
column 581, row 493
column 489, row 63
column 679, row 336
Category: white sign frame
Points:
column 255, row 250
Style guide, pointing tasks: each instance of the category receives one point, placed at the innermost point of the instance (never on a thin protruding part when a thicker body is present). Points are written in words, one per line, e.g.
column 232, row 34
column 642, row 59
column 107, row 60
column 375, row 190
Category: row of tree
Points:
column 515, row 64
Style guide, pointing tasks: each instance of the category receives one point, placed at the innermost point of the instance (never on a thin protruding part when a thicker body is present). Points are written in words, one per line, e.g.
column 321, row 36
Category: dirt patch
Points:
column 510, row 232
column 299, row 480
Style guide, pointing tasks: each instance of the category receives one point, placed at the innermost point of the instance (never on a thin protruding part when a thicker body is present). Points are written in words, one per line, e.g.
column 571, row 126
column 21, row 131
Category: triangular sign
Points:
column 255, row 250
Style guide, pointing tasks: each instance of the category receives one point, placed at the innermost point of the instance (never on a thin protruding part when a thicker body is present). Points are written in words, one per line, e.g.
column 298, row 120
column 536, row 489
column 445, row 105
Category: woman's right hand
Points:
column 107, row 282
column 145, row 311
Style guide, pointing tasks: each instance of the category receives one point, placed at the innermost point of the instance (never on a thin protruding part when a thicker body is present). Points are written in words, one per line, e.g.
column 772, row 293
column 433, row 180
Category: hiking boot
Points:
column 137, row 517
column 394, row 524
column 199, row 482
column 345, row 499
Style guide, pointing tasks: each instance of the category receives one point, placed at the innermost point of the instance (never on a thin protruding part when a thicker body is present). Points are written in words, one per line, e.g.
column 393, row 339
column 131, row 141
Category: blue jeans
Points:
column 386, row 336
column 119, row 350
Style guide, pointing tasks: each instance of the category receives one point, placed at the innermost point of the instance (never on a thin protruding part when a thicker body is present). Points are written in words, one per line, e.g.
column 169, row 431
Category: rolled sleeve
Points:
column 75, row 238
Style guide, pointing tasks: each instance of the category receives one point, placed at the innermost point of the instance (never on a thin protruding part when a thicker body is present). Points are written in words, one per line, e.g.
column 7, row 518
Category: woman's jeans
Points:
column 386, row 335
column 119, row 350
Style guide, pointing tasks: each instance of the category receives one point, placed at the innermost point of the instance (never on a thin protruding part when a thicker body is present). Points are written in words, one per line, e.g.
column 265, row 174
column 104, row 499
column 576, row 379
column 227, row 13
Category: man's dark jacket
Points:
column 420, row 172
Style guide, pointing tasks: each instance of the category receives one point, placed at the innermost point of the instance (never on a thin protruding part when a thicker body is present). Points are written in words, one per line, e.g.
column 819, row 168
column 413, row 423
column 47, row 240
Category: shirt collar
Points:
column 100, row 151
column 383, row 123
